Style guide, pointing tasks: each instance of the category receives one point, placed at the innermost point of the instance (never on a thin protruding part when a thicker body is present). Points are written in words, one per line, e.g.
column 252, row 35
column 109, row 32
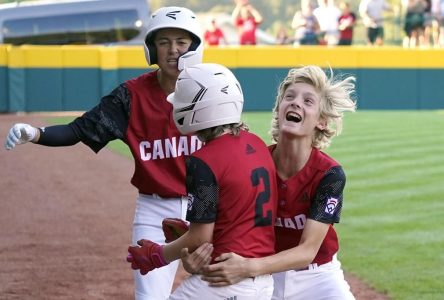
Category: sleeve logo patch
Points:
column 331, row 205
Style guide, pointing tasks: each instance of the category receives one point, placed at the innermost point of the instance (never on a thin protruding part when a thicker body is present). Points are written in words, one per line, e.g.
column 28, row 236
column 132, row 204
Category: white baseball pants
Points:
column 318, row 282
column 150, row 211
column 258, row 288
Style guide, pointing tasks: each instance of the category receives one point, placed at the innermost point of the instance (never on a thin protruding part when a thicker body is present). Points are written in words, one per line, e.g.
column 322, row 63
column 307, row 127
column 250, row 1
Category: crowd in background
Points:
column 325, row 22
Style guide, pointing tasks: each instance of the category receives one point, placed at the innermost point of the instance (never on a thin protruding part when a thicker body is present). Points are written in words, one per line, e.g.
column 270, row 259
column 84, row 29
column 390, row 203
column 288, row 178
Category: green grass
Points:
column 392, row 228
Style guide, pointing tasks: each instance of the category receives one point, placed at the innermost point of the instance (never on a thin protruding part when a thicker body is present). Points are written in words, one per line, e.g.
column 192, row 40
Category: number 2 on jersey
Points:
column 262, row 198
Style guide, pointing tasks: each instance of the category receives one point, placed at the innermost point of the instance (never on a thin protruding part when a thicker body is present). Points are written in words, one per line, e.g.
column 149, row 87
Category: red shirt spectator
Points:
column 214, row 35
column 346, row 22
column 246, row 18
column 247, row 31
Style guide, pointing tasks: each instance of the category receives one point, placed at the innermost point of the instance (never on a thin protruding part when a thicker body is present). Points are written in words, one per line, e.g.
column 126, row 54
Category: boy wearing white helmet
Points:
column 179, row 18
column 231, row 186
column 138, row 113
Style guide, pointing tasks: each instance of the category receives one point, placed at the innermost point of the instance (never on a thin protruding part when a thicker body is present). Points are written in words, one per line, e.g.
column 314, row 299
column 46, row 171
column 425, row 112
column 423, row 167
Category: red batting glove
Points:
column 147, row 257
column 173, row 228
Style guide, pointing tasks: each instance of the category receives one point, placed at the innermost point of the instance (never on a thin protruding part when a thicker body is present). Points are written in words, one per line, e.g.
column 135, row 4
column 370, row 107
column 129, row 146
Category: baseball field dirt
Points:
column 65, row 222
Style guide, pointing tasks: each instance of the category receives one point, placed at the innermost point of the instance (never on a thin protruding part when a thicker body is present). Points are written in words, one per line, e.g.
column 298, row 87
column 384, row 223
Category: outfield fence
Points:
column 74, row 78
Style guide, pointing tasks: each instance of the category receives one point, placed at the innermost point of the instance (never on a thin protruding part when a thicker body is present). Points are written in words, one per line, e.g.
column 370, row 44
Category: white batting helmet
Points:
column 175, row 17
column 206, row 95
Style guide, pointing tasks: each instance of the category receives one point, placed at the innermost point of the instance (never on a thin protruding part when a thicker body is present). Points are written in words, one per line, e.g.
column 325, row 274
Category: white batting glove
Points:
column 20, row 134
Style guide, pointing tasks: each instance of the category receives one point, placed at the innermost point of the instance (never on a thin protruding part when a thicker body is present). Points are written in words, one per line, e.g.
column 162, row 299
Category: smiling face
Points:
column 170, row 44
column 299, row 111
column 310, row 103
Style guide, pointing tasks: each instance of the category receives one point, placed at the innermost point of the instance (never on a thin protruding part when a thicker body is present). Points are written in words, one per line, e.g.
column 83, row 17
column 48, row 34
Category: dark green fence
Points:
column 74, row 78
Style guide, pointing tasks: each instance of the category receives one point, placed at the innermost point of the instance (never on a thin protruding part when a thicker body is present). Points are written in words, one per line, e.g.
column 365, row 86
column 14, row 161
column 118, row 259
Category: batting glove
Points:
column 174, row 228
column 147, row 257
column 20, row 134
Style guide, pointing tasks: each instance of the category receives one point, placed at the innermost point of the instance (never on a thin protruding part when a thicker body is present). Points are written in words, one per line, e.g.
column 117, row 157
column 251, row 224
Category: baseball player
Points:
column 138, row 113
column 306, row 116
column 230, row 182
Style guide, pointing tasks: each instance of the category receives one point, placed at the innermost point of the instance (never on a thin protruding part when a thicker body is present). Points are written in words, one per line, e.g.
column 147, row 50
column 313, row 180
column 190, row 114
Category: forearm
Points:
column 236, row 13
column 172, row 250
column 58, row 135
column 297, row 257
column 257, row 16
column 291, row 259
column 296, row 22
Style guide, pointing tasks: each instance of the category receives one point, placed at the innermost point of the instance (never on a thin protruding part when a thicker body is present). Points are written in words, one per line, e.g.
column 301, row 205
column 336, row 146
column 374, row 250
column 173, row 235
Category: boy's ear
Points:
column 322, row 124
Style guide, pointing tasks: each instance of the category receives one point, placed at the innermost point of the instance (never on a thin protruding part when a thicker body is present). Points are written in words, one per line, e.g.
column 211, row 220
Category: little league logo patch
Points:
column 331, row 205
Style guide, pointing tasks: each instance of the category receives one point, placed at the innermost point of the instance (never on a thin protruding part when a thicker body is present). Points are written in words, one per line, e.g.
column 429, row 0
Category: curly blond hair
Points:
column 336, row 96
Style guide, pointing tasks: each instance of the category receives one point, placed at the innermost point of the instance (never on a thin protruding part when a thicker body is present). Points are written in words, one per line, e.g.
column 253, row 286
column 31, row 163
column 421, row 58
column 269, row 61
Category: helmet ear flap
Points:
column 195, row 43
column 151, row 53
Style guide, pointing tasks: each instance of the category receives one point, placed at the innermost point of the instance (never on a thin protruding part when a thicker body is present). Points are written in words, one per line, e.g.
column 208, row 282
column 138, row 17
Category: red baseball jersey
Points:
column 231, row 181
column 316, row 193
column 138, row 113
column 158, row 147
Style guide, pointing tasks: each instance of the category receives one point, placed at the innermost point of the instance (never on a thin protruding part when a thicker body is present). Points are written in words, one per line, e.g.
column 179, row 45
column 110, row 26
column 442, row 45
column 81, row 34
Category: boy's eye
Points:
column 183, row 43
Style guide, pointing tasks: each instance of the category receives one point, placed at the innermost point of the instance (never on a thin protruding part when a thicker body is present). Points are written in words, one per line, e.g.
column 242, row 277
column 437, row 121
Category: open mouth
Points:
column 293, row 117
column 172, row 61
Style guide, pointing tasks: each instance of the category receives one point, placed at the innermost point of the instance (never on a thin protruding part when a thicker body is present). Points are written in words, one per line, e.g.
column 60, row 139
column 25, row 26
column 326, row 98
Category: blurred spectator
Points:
column 328, row 14
column 282, row 37
column 371, row 12
column 347, row 21
column 305, row 25
column 214, row 35
column 437, row 10
column 246, row 18
column 428, row 23
column 414, row 23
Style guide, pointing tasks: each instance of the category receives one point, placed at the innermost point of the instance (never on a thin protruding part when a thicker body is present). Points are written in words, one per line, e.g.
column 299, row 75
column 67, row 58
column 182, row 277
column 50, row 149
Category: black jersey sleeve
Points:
column 327, row 204
column 105, row 122
column 203, row 191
